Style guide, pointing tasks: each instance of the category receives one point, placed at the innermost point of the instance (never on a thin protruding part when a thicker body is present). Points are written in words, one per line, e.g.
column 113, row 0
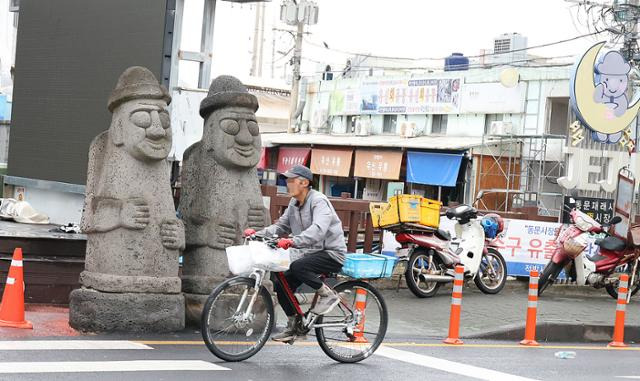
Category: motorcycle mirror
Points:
column 615, row 220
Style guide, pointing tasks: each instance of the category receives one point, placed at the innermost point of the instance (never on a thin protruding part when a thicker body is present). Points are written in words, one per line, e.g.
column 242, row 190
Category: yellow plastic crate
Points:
column 430, row 212
column 401, row 208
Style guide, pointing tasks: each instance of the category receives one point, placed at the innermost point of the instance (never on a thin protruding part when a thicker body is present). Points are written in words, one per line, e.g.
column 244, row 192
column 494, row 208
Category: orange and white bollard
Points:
column 532, row 310
column 361, row 305
column 456, row 307
column 621, row 306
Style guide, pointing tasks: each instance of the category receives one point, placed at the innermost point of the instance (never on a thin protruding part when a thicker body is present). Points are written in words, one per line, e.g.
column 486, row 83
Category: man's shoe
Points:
column 328, row 299
column 289, row 333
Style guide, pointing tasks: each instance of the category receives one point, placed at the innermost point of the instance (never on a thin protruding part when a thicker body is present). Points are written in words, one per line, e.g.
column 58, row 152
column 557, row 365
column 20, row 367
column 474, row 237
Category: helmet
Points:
column 490, row 227
column 499, row 220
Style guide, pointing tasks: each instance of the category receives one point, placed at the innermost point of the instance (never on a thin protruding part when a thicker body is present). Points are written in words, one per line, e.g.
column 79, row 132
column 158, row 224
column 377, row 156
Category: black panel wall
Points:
column 68, row 58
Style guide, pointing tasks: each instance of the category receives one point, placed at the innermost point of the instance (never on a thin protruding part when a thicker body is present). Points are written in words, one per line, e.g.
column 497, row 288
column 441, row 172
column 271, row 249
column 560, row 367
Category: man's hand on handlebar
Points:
column 285, row 243
column 248, row 233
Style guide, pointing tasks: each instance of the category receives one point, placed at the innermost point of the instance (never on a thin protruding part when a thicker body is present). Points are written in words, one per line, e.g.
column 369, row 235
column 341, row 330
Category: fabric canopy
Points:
column 331, row 162
column 288, row 157
column 439, row 169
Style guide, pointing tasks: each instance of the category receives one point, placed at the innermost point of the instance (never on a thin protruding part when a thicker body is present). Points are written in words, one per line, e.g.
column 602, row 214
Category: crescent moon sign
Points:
column 592, row 114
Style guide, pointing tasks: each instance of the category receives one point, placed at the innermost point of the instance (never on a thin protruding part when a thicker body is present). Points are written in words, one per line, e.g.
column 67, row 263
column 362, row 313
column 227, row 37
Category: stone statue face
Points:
column 144, row 129
column 232, row 135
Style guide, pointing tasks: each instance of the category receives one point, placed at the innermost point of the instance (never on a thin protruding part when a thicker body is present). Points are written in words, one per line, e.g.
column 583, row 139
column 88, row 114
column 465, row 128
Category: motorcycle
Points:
column 433, row 255
column 616, row 256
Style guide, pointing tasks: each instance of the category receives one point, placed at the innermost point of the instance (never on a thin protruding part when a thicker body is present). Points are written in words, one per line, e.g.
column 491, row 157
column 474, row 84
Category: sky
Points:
column 399, row 28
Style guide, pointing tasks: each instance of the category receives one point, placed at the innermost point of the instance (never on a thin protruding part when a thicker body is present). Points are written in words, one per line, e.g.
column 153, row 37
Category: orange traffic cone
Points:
column 361, row 304
column 12, row 307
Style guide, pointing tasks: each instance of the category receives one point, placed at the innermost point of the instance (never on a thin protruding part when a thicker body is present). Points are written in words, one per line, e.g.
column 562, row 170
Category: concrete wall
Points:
column 61, row 207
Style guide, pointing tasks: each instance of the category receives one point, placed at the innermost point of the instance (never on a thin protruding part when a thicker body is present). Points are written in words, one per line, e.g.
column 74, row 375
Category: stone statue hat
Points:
column 134, row 83
column 226, row 91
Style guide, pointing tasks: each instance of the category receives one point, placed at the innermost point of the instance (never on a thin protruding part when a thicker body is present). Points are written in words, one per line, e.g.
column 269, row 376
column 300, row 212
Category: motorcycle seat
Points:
column 611, row 243
column 443, row 234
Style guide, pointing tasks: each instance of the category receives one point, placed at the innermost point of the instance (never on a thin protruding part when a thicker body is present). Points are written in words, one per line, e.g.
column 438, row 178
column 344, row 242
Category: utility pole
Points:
column 295, row 82
column 258, row 43
column 297, row 13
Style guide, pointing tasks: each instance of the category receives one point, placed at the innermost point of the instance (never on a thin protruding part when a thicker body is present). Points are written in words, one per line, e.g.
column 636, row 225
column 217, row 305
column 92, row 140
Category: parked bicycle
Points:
column 239, row 315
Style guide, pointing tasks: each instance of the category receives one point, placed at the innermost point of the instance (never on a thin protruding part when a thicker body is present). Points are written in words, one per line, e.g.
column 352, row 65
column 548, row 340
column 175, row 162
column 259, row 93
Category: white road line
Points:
column 106, row 366
column 447, row 366
column 39, row 345
column 629, row 377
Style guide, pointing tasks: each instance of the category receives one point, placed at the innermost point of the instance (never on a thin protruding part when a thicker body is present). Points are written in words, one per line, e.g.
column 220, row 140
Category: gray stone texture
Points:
column 95, row 311
column 220, row 190
column 133, row 235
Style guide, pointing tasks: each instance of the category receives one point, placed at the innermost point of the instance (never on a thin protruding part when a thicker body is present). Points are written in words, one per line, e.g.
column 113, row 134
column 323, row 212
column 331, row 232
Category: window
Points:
column 558, row 119
column 351, row 123
column 490, row 118
column 439, row 125
column 389, row 124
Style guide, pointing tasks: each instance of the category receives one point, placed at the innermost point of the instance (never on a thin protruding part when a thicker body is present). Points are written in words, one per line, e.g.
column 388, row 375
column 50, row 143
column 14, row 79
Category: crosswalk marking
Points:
column 106, row 366
column 447, row 366
column 39, row 345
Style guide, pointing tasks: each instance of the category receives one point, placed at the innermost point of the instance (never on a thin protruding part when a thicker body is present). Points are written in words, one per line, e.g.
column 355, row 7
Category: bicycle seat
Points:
column 611, row 243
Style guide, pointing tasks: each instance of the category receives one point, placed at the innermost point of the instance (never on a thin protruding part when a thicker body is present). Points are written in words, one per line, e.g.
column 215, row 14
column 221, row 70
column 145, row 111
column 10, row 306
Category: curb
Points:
column 561, row 332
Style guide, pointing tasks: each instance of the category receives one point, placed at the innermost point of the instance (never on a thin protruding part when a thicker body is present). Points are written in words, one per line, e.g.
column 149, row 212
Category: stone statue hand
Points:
column 226, row 236
column 172, row 234
column 256, row 217
column 135, row 214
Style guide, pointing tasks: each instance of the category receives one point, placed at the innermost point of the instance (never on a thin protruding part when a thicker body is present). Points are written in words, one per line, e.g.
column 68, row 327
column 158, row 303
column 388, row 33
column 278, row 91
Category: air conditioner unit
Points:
column 408, row 129
column 501, row 128
column 363, row 127
column 14, row 5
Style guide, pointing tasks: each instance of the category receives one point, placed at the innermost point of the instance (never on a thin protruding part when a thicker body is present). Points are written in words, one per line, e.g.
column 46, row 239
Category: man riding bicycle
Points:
column 317, row 246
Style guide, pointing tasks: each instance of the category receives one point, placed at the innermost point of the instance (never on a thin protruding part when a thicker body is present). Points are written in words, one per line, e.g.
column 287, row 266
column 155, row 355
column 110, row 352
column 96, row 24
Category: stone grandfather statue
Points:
column 220, row 189
column 130, row 281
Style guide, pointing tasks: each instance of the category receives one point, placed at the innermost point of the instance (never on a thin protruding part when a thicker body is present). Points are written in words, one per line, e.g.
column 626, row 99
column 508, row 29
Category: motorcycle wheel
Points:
column 548, row 276
column 491, row 283
column 418, row 262
column 612, row 288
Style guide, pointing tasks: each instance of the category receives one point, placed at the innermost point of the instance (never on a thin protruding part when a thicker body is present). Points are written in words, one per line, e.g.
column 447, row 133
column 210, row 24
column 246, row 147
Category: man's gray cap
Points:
column 299, row 171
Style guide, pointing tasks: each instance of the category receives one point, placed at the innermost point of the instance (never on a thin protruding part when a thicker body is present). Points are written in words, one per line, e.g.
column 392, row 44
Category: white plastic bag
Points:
column 269, row 259
column 239, row 258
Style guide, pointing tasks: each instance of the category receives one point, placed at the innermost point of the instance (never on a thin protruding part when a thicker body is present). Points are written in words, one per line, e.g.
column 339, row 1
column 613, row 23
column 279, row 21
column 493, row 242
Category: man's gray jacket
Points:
column 315, row 227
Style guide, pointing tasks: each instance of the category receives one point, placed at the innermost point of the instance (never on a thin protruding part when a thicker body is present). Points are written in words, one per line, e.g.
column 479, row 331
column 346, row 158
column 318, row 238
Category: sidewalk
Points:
column 563, row 312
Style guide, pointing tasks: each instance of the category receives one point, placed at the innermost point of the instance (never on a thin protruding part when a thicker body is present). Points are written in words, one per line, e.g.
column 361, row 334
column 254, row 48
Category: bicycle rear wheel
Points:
column 359, row 323
column 229, row 330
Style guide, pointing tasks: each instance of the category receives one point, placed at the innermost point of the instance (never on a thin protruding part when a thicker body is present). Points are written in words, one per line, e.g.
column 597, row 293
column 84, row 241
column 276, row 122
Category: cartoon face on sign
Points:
column 598, row 94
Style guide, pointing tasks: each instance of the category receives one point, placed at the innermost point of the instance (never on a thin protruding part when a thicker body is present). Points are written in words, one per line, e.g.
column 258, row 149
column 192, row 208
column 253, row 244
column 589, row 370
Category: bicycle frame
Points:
column 308, row 320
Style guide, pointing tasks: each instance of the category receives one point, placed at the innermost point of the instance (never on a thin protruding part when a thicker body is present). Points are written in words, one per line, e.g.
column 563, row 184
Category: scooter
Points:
column 433, row 255
column 616, row 256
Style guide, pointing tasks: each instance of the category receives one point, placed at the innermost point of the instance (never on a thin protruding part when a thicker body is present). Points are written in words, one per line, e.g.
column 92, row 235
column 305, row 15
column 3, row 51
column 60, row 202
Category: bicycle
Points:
column 239, row 315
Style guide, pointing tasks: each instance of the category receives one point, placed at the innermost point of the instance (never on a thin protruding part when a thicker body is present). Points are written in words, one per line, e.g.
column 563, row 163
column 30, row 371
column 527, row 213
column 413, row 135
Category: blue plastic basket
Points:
column 368, row 266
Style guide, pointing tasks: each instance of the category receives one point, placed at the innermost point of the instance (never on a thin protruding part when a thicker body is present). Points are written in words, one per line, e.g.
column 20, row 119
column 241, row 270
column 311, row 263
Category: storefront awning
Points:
column 439, row 169
column 331, row 162
column 288, row 157
column 378, row 164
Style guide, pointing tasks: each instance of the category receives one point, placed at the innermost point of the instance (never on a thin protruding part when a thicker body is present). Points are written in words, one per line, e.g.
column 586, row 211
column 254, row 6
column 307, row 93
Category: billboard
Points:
column 69, row 56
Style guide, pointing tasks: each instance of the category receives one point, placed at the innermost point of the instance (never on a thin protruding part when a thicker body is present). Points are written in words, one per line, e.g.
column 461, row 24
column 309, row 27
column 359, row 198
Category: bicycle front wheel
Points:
column 355, row 328
column 237, row 320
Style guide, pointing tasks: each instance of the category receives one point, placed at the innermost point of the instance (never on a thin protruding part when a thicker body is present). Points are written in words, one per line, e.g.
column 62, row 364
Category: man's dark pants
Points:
column 305, row 270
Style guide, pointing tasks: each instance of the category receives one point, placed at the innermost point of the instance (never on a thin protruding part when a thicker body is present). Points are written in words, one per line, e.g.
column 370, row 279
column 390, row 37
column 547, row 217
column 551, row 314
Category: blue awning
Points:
column 440, row 169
